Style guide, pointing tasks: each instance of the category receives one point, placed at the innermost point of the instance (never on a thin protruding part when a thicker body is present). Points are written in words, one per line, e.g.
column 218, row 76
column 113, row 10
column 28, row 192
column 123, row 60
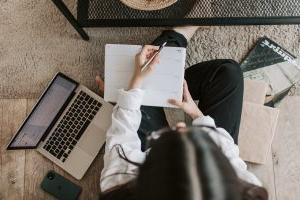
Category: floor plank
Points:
column 22, row 172
column 35, row 170
column 90, row 183
column 286, row 150
column 173, row 116
column 12, row 113
column 37, row 166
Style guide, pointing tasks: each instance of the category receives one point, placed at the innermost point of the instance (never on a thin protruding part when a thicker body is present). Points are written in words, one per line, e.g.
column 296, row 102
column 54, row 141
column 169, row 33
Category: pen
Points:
column 154, row 55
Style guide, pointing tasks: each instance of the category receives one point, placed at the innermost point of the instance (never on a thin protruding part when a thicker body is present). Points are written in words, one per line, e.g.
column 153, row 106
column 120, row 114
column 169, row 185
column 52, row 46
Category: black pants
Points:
column 217, row 84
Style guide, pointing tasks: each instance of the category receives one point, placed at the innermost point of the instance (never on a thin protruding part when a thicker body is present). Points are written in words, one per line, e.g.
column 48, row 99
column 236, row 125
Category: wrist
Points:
column 136, row 82
column 196, row 114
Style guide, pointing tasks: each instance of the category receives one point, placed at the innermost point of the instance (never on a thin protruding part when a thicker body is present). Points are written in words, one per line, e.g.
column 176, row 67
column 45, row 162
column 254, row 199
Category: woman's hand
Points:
column 187, row 104
column 140, row 59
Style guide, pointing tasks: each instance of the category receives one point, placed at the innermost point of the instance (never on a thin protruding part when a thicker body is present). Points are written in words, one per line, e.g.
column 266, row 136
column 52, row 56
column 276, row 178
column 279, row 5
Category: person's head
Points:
column 186, row 164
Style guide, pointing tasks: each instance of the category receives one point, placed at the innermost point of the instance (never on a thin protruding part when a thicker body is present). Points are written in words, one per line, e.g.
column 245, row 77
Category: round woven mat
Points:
column 115, row 9
column 148, row 4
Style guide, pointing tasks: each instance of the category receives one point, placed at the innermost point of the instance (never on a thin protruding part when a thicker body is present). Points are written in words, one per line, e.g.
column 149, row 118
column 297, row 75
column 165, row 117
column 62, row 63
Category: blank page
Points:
column 164, row 83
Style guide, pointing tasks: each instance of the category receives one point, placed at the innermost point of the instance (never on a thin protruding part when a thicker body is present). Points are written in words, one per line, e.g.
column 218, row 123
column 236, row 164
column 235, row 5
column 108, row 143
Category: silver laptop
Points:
column 67, row 125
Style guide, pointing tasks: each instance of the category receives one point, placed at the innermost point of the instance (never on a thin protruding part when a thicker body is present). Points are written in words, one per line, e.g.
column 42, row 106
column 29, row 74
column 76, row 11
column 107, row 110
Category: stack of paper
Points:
column 271, row 63
column 258, row 124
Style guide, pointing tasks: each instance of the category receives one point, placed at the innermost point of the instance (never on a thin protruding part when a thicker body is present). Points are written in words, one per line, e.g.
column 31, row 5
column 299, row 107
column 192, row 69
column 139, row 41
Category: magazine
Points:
column 271, row 63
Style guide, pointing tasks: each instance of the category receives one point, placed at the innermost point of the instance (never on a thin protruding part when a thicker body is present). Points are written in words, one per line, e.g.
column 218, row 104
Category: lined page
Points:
column 164, row 83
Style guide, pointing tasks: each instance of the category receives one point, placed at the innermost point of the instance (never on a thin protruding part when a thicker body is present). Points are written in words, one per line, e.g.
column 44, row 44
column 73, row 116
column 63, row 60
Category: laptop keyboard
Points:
column 73, row 124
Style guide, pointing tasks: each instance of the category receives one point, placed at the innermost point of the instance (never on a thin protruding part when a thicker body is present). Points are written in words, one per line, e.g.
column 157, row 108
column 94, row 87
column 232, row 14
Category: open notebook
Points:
column 164, row 83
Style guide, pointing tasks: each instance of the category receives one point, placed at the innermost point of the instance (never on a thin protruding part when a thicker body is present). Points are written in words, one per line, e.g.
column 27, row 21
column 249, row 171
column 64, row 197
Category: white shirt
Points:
column 126, row 119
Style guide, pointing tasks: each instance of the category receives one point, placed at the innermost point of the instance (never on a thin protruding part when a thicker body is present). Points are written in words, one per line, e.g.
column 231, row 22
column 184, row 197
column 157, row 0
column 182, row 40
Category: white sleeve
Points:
column 126, row 118
column 224, row 140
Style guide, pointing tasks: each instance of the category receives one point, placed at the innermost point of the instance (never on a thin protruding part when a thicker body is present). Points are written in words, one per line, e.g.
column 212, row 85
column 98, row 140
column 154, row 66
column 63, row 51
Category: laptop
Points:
column 67, row 125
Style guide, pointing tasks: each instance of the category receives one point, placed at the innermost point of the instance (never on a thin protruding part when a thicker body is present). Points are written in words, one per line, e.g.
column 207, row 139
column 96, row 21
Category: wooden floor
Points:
column 21, row 171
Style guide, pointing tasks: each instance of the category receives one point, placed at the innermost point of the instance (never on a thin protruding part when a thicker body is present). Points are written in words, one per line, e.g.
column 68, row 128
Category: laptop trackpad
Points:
column 92, row 140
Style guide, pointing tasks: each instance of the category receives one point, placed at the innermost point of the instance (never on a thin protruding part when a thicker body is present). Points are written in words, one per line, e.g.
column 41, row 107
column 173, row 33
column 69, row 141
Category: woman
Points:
column 201, row 162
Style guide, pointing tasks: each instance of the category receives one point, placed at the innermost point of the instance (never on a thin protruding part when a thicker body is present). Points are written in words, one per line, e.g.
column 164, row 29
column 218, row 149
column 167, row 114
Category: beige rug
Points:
column 36, row 42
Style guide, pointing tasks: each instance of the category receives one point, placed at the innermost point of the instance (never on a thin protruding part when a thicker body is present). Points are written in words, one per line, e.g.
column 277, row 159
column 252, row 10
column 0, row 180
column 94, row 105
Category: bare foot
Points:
column 100, row 84
column 188, row 31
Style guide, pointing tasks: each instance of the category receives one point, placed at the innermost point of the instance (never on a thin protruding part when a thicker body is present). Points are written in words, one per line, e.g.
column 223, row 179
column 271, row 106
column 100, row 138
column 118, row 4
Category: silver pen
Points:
column 154, row 55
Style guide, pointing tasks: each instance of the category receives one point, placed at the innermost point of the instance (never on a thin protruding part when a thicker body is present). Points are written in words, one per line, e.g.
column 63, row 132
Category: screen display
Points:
column 44, row 113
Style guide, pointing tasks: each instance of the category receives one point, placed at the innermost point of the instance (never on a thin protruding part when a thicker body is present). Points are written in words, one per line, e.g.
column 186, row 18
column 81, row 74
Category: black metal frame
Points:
column 83, row 15
column 70, row 17
column 186, row 21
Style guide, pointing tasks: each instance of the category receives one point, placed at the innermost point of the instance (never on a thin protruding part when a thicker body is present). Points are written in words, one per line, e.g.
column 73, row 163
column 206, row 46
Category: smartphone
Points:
column 60, row 187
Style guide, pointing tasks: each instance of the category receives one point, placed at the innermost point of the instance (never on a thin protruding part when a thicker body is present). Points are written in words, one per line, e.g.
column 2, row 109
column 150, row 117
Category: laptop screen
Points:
column 44, row 113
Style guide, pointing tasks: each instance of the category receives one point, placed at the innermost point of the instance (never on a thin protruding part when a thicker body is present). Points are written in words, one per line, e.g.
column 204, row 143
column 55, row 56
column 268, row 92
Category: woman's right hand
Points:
column 187, row 104
column 140, row 59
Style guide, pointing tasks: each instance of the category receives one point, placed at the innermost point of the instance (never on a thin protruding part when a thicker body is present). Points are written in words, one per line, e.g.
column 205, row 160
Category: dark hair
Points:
column 186, row 166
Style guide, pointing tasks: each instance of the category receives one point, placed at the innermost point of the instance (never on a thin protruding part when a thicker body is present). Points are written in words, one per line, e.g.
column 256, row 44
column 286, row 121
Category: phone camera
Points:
column 50, row 175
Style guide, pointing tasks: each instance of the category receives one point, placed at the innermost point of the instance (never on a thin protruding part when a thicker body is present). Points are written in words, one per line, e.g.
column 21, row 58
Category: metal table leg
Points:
column 66, row 12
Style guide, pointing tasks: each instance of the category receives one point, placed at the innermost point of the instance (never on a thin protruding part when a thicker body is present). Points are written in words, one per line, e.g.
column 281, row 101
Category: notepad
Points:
column 258, row 123
column 164, row 83
column 257, row 129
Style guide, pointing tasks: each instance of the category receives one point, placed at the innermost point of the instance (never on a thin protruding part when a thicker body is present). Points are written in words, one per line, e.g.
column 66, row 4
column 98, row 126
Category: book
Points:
column 255, row 91
column 258, row 123
column 164, row 83
column 271, row 63
column 257, row 129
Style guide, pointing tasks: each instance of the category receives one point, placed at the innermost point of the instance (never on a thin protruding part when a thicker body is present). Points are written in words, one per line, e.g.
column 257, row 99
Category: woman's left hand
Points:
column 140, row 59
column 187, row 103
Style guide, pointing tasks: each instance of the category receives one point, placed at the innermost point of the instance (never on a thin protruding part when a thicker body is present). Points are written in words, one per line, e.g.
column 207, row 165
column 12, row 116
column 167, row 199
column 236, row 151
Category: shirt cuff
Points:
column 131, row 99
column 205, row 121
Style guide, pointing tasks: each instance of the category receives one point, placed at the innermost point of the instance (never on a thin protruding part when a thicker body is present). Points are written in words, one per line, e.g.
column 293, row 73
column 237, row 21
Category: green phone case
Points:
column 60, row 187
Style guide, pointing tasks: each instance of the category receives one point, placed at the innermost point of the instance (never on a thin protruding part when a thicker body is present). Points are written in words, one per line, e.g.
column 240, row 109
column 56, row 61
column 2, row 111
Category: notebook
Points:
column 164, row 83
column 255, row 91
column 257, row 129
column 258, row 123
